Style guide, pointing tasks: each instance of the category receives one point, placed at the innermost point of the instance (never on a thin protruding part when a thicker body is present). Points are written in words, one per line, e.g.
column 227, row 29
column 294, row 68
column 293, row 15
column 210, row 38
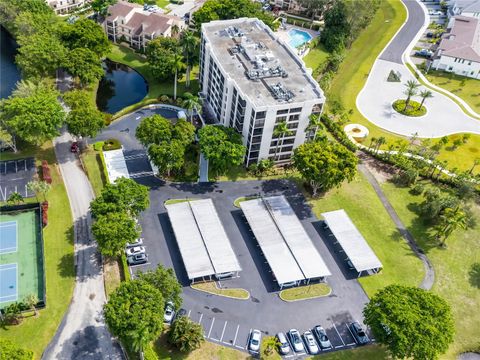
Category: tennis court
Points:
column 21, row 256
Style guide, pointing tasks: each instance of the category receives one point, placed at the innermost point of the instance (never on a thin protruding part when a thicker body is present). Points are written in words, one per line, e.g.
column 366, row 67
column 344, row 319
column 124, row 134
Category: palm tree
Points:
column 189, row 44
column 15, row 198
column 450, row 220
column 425, row 94
column 138, row 339
column 280, row 131
column 476, row 162
column 373, row 139
column 411, row 90
column 192, row 103
column 177, row 65
column 380, row 141
column 314, row 125
column 31, row 301
column 175, row 30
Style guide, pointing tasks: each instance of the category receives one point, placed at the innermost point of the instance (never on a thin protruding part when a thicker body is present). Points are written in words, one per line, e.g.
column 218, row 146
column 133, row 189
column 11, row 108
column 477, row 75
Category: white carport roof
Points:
column 353, row 243
column 190, row 242
column 273, row 246
column 201, row 238
column 300, row 244
column 214, row 236
column 116, row 165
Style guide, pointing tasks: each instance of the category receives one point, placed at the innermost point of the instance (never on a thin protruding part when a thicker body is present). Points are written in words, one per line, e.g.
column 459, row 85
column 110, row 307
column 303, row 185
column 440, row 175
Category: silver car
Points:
column 169, row 312
column 135, row 250
column 283, row 346
column 322, row 337
column 296, row 340
column 310, row 342
column 254, row 342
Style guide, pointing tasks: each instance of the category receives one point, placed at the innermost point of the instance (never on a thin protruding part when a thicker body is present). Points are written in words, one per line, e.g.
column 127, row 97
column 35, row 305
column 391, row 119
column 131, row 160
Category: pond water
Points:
column 120, row 87
column 9, row 73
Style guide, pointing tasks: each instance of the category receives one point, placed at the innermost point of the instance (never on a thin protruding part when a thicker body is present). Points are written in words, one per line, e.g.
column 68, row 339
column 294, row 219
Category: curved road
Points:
column 82, row 333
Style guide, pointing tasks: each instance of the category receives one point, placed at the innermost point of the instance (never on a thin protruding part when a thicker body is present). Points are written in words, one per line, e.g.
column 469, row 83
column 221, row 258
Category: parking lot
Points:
column 14, row 177
column 229, row 321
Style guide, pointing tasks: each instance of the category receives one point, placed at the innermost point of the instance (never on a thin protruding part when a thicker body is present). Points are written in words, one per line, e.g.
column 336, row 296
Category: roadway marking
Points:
column 201, row 317
column 351, row 344
column 223, row 331
column 236, row 333
column 339, row 346
column 211, row 326
column 338, row 333
column 147, row 263
column 239, row 347
column 189, row 311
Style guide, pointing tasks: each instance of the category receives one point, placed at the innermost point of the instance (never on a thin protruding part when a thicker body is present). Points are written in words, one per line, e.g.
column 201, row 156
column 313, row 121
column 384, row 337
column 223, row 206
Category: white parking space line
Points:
column 351, row 344
column 201, row 317
column 223, row 331
column 211, row 326
column 189, row 312
column 341, row 339
column 236, row 334
column 339, row 346
column 348, row 327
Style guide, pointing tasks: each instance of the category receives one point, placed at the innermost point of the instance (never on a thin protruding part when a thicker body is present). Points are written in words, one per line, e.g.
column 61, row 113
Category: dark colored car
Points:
column 74, row 147
column 424, row 53
column 360, row 335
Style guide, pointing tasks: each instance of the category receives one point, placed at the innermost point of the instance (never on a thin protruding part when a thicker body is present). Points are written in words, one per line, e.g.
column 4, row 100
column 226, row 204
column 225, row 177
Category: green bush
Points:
column 112, row 144
column 98, row 145
column 149, row 353
column 10, row 350
column 413, row 109
column 125, row 273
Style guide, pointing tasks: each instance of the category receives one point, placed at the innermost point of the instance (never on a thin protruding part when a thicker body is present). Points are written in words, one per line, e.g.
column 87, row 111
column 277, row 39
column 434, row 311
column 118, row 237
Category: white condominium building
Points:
column 251, row 80
column 62, row 7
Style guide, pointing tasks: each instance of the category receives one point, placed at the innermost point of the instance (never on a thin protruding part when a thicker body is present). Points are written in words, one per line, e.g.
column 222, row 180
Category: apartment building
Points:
column 63, row 7
column 459, row 49
column 252, row 81
column 131, row 23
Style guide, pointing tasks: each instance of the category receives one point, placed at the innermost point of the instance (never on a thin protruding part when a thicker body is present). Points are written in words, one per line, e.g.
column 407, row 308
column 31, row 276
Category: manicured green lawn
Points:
column 466, row 88
column 316, row 56
column 305, row 292
column 92, row 161
column 371, row 352
column 354, row 71
column 455, row 277
column 156, row 88
column 361, row 203
column 211, row 287
column 36, row 332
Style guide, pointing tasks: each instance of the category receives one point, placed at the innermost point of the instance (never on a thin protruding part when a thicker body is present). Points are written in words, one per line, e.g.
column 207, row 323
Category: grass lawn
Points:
column 211, row 288
column 367, row 212
column 36, row 332
column 208, row 350
column 354, row 70
column 92, row 161
column 125, row 55
column 455, row 277
column 237, row 201
column 316, row 56
column 176, row 201
column 305, row 292
column 371, row 352
column 466, row 88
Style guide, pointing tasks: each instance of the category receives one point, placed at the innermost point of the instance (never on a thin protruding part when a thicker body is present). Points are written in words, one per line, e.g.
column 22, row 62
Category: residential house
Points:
column 459, row 49
column 63, row 7
column 129, row 22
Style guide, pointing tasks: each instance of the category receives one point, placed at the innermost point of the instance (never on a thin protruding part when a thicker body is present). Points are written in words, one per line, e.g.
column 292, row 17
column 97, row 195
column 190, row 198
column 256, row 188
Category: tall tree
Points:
column 113, row 231
column 425, row 94
column 39, row 187
column 450, row 220
column 279, row 132
column 191, row 103
column 314, row 125
column 411, row 90
column 84, row 64
column 101, row 6
column 178, row 65
column 167, row 156
column 337, row 28
column 324, row 164
column 184, row 132
column 221, row 146
column 35, row 118
column 84, row 119
column 185, row 334
column 165, row 280
column 7, row 140
column 86, row 33
column 410, row 322
column 135, row 308
column 160, row 53
column 154, row 129
column 189, row 44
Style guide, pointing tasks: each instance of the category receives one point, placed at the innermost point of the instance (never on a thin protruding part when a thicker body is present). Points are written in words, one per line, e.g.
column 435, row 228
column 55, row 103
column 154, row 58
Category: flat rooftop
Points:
column 264, row 67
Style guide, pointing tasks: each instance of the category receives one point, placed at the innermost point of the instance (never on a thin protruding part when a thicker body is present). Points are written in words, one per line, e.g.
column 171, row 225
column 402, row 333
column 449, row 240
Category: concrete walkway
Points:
column 82, row 333
column 444, row 116
column 429, row 277
column 203, row 169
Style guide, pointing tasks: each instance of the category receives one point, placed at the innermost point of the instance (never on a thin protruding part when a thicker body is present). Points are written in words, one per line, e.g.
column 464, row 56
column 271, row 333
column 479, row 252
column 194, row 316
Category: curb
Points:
column 307, row 298
column 223, row 295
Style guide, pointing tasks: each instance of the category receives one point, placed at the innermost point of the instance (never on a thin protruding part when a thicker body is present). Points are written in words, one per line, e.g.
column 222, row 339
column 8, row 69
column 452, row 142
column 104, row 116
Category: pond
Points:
column 120, row 87
column 9, row 73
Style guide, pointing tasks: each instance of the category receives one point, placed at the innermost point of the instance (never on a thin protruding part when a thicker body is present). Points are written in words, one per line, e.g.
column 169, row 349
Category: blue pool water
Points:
column 298, row 38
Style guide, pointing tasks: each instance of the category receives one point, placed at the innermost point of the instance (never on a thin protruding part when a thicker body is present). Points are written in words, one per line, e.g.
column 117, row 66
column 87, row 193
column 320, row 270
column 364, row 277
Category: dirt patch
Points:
column 111, row 275
column 381, row 171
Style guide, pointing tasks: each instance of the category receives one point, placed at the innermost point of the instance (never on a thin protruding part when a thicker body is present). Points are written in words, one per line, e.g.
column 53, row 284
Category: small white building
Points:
column 469, row 8
column 251, row 81
column 459, row 49
column 62, row 7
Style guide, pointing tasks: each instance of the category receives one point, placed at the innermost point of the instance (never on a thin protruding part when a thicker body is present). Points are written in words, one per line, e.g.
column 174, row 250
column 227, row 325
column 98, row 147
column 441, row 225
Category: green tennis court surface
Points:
column 21, row 260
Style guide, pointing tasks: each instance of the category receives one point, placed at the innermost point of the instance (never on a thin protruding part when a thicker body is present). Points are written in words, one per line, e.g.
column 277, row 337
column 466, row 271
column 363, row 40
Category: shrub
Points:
column 108, row 119
column 112, row 144
column 98, row 145
column 336, row 130
column 45, row 213
column 46, row 172
column 413, row 109
column 10, row 350
column 418, row 189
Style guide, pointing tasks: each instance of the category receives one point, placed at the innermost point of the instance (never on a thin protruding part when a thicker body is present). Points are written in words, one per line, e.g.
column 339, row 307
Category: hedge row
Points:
column 336, row 130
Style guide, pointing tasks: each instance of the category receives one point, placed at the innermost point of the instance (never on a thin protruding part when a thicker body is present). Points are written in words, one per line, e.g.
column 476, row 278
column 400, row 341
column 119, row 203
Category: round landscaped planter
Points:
column 413, row 109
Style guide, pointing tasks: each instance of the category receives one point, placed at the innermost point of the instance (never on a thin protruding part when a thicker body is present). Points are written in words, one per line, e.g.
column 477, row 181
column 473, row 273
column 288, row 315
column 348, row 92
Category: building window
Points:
column 295, row 110
column 284, row 111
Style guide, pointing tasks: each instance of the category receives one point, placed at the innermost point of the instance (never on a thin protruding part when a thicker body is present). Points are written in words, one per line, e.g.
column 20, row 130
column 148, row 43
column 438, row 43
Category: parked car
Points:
column 74, row 147
column 283, row 346
column 224, row 275
column 322, row 337
column 137, row 259
column 254, row 341
column 432, row 35
column 360, row 336
column 169, row 312
column 296, row 340
column 135, row 250
column 350, row 264
column 138, row 242
column 424, row 53
column 312, row 346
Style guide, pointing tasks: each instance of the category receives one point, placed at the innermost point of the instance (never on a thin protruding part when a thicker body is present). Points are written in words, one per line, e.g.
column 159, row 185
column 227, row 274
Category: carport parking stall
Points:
column 14, row 177
column 229, row 321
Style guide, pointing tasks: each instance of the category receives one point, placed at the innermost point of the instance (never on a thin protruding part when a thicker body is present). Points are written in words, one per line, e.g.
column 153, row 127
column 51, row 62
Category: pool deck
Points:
column 282, row 33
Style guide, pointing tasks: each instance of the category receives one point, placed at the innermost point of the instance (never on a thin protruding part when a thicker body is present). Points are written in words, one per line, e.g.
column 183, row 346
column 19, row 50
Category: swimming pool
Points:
column 298, row 37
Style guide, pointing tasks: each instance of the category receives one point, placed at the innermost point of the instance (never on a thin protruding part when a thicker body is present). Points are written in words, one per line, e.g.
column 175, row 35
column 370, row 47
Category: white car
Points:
column 254, row 342
column 310, row 342
column 138, row 242
column 322, row 337
column 169, row 312
column 135, row 250
column 296, row 340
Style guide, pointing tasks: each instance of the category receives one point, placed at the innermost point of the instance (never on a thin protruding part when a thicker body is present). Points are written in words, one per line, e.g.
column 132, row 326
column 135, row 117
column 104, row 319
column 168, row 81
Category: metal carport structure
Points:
column 202, row 240
column 116, row 165
column 352, row 242
column 284, row 242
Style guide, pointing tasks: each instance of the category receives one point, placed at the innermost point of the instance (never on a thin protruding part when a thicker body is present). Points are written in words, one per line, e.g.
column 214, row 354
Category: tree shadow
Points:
column 474, row 275
column 66, row 267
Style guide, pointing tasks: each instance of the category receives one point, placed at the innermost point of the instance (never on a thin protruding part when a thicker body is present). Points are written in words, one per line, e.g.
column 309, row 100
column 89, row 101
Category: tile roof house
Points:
column 459, row 49
column 131, row 23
